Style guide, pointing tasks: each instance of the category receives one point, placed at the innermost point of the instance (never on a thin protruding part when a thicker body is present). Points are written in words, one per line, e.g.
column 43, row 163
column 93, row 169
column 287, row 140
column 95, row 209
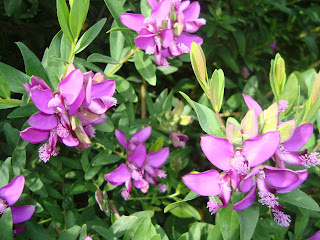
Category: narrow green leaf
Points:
column 54, row 210
column 26, row 111
column 100, row 58
column 83, row 232
column 302, row 218
column 123, row 223
column 70, row 219
column 208, row 120
column 104, row 158
column 6, row 225
column 4, row 86
column 190, row 196
column 89, row 35
column 106, row 126
column 9, row 6
column 229, row 223
column 32, row 64
column 299, row 199
column 290, row 92
column 185, row 210
column 78, row 14
column 14, row 77
column 63, row 18
column 19, row 158
column 198, row 62
column 70, row 234
column 4, row 172
column 145, row 67
column 241, row 41
column 12, row 135
column 102, row 231
column 217, row 84
column 248, row 220
column 36, row 231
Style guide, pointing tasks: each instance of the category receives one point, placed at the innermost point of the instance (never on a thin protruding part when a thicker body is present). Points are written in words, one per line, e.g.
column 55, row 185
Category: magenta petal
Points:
column 167, row 37
column 280, row 178
column 205, row 183
column 260, row 149
column 143, row 134
column 299, row 138
column 102, row 118
column 218, row 151
column 22, row 214
column 144, row 42
column 162, row 11
column 34, row 135
column 133, row 21
column 247, row 183
column 70, row 141
column 41, row 99
column 158, row 158
column 39, row 81
column 138, row 155
column 87, row 100
column 43, row 121
column 153, row 3
column 302, row 174
column 106, row 88
column 98, row 106
column 121, row 137
column 77, row 103
column 12, row 191
column 192, row 12
column 187, row 39
column 118, row 176
column 292, row 158
column 194, row 26
column 17, row 229
column 316, row 236
column 251, row 103
column 71, row 86
column 247, row 201
column 140, row 183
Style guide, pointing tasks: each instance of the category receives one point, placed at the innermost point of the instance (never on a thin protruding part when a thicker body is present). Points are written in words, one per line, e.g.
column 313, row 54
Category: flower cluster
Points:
column 166, row 33
column 9, row 195
column 69, row 113
column 242, row 156
column 142, row 168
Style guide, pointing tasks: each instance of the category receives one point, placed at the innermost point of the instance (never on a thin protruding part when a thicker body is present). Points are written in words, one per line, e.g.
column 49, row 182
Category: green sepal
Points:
column 233, row 133
column 268, row 119
column 249, row 125
column 286, row 130
column 216, row 85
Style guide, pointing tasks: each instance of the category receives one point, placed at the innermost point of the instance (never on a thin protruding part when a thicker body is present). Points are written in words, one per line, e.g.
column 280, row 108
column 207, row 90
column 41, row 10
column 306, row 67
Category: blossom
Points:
column 162, row 33
column 87, row 238
column 316, row 236
column 9, row 195
column 67, row 115
column 273, row 46
column 178, row 140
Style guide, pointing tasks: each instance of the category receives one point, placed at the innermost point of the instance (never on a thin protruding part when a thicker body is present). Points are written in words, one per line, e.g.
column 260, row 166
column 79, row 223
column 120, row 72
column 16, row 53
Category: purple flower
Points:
column 245, row 73
column 210, row 183
column 178, row 140
column 316, row 236
column 273, row 46
column 161, row 33
column 87, row 238
column 141, row 168
column 68, row 114
column 9, row 195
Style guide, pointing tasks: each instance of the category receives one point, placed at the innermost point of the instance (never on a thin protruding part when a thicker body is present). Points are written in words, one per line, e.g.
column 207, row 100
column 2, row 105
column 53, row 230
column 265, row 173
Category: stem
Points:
column 46, row 220
column 14, row 101
column 217, row 112
column 122, row 62
column 316, row 147
column 143, row 99
column 149, row 198
column 72, row 53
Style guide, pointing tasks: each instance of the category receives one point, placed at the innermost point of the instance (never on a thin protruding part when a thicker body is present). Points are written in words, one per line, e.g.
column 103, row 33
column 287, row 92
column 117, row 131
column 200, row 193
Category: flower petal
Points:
column 144, row 42
column 302, row 174
column 143, row 134
column 140, row 183
column 121, row 137
column 71, row 86
column 316, row 236
column 247, row 183
column 70, row 141
column 251, row 103
column 22, row 214
column 161, row 11
column 292, row 158
column 158, row 158
column 167, row 37
column 138, row 155
column 77, row 103
column 106, row 88
column 280, row 178
column 12, row 191
column 260, row 149
column 299, row 138
column 119, row 175
column 41, row 99
column 39, row 81
column 192, row 12
column 34, row 135
column 17, row 229
column 43, row 121
column 205, row 183
column 133, row 21
column 247, row 201
column 218, row 151
column 187, row 39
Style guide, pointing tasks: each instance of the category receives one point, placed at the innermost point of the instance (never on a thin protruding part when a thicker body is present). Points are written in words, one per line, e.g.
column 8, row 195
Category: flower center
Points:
column 213, row 205
column 132, row 144
column 62, row 131
column 3, row 206
column 268, row 198
column 281, row 218
column 312, row 160
column 125, row 194
column 240, row 164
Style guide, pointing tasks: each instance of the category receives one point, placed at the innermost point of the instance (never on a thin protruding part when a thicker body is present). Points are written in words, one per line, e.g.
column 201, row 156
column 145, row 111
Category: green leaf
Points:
column 124, row 88
column 35, row 231
column 70, row 219
column 185, row 210
column 139, row 229
column 100, row 58
column 19, row 158
column 54, row 210
column 63, row 18
column 241, row 41
column 80, row 62
column 4, row 86
column 229, row 223
column 299, row 199
column 290, row 92
column 277, row 76
column 13, row 103
column 302, row 218
column 106, row 126
column 14, row 77
column 208, row 120
column 195, row 231
column 217, row 84
column 190, row 196
column 145, row 67
column 32, row 64
column 12, row 135
column 89, row 35
column 104, row 157
column 116, row 9
column 70, row 234
column 83, row 232
column 102, row 231
column 215, row 233
column 9, row 6
column 6, row 225
column 55, row 66
column 248, row 220
column 26, row 111
column 145, row 8
column 91, row 172
column 78, row 14
column 4, row 172
column 122, row 225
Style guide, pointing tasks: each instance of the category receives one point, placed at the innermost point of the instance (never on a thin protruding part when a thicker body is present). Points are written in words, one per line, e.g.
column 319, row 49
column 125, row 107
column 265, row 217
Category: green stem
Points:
column 149, row 198
column 122, row 62
column 72, row 54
